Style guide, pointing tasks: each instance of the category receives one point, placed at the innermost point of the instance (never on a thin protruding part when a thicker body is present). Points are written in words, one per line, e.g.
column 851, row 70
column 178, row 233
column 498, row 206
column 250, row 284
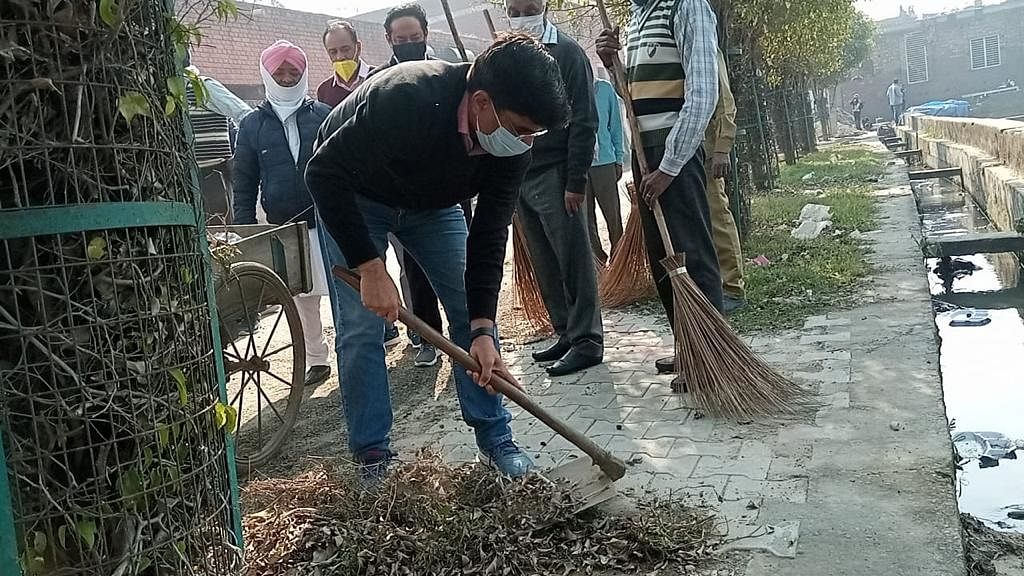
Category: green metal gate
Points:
column 114, row 453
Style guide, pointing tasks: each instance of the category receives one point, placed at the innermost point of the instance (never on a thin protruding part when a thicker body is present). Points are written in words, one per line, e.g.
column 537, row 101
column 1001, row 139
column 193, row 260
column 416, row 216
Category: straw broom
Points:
column 627, row 278
column 523, row 275
column 525, row 281
column 723, row 375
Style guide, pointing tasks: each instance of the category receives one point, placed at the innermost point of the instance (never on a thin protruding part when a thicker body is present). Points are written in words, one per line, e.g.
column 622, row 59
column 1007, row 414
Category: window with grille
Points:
column 985, row 52
column 917, row 59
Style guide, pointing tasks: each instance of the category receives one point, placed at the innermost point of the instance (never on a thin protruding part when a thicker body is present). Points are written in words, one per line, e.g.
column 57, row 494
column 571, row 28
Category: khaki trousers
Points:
column 726, row 237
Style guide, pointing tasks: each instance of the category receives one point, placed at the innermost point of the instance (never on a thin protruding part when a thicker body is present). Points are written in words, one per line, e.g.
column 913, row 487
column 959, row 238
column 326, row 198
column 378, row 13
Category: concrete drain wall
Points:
column 989, row 151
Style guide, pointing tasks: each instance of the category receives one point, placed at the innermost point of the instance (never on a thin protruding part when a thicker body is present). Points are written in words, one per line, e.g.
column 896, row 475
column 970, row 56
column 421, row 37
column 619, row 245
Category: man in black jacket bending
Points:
column 398, row 156
column 552, row 202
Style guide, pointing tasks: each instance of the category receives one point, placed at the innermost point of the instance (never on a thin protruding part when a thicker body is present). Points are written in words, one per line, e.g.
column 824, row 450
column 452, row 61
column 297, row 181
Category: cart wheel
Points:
column 264, row 359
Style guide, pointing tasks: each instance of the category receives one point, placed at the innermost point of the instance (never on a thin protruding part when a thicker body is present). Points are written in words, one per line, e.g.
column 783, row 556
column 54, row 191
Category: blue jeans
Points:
column 437, row 240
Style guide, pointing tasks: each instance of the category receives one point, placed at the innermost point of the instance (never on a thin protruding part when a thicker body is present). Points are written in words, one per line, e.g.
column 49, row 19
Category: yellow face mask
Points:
column 345, row 69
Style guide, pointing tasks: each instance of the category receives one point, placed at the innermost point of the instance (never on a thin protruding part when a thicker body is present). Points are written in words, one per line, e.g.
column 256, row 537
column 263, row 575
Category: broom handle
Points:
column 455, row 32
column 610, row 465
column 622, row 87
column 490, row 23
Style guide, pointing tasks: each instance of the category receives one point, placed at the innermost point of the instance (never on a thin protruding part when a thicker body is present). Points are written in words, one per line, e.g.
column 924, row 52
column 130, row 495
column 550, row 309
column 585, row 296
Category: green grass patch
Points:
column 804, row 277
column 838, row 165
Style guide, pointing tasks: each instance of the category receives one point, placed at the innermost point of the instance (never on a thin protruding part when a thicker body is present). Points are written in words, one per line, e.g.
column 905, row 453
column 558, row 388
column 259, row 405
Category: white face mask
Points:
column 501, row 142
column 532, row 25
column 284, row 100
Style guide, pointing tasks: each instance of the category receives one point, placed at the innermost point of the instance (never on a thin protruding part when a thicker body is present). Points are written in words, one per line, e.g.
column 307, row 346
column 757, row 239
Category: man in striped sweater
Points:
column 672, row 72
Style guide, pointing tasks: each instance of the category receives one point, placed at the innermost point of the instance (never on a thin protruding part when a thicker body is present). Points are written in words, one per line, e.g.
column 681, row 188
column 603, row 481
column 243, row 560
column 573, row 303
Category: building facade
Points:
column 975, row 54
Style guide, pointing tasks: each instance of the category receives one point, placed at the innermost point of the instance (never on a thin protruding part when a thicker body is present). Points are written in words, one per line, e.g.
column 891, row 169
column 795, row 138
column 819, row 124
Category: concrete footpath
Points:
column 861, row 485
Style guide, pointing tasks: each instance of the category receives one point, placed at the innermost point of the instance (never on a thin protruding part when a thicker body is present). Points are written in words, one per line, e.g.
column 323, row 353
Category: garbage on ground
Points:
column 815, row 213
column 988, row 448
column 808, row 230
column 814, row 219
column 967, row 317
column 761, row 260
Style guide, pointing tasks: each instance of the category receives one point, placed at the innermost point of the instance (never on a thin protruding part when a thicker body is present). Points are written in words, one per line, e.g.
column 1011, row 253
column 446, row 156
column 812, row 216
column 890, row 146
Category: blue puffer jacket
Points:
column 264, row 166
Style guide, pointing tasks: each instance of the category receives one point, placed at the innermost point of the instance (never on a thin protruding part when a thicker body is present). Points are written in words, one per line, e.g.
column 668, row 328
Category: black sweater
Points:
column 574, row 145
column 395, row 140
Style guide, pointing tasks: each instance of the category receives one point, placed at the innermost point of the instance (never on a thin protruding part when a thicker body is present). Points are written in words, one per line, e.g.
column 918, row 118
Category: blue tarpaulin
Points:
column 943, row 108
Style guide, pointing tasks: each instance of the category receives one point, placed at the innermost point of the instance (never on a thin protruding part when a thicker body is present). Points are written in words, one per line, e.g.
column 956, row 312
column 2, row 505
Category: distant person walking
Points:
column 858, row 110
column 896, row 99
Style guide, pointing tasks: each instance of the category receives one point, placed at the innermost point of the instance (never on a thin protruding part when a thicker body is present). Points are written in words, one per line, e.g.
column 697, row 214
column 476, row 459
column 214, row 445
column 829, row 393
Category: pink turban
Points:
column 280, row 52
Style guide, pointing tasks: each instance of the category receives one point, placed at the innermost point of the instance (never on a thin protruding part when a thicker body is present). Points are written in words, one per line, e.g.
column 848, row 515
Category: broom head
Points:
column 723, row 375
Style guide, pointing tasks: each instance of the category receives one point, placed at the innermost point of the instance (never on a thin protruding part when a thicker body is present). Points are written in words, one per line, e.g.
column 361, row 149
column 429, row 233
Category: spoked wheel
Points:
column 264, row 359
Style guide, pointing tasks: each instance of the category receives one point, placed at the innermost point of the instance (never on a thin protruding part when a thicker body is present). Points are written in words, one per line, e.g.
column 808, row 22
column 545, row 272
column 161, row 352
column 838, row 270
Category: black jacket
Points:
column 396, row 141
column 264, row 166
column 574, row 144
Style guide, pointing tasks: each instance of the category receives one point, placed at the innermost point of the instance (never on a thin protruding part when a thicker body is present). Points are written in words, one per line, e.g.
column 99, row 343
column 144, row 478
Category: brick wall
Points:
column 947, row 39
column 230, row 50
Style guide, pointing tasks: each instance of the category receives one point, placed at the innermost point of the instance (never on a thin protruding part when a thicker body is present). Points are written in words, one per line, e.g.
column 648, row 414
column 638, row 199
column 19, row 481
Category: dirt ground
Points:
column 421, row 397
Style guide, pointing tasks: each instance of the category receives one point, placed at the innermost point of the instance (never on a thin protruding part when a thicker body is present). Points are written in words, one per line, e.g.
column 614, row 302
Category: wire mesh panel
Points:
column 111, row 405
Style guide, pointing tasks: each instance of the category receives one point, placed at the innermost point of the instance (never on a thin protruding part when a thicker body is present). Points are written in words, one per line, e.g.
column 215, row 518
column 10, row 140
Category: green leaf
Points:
column 130, row 485
column 164, row 436
column 62, row 536
column 176, row 87
column 87, row 530
column 96, row 249
column 110, row 13
column 226, row 9
column 198, row 87
column 170, row 105
column 219, row 415
column 231, row 419
column 179, row 380
column 132, row 104
column 186, row 275
column 147, row 456
column 39, row 542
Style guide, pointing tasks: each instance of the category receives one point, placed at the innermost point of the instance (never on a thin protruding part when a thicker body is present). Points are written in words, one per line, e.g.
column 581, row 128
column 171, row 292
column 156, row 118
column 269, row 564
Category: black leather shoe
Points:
column 317, row 375
column 556, row 351
column 666, row 365
column 573, row 362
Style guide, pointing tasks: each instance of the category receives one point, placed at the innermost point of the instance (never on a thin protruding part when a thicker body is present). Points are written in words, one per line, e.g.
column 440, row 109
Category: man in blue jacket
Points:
column 275, row 143
column 606, row 171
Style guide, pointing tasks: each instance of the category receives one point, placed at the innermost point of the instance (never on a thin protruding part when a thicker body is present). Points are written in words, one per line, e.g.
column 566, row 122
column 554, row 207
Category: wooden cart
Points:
column 258, row 269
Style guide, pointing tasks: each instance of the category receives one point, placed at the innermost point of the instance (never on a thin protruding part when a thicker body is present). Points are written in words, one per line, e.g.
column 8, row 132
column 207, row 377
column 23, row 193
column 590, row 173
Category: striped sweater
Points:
column 654, row 71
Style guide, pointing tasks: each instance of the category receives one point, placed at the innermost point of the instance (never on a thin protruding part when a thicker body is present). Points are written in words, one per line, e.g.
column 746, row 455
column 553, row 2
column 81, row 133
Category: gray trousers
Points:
column 560, row 250
column 603, row 186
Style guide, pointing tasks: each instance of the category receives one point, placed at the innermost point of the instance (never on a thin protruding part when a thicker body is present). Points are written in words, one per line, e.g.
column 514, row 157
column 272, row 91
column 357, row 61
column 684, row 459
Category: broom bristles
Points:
column 525, row 279
column 723, row 375
column 627, row 279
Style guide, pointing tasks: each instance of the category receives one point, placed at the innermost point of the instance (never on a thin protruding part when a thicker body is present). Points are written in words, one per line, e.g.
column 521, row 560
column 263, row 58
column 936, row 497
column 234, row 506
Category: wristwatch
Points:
column 490, row 332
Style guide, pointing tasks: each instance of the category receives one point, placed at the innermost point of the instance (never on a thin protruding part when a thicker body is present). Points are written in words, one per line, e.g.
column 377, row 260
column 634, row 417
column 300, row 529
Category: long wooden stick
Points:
column 455, row 32
column 622, row 87
column 490, row 23
column 610, row 465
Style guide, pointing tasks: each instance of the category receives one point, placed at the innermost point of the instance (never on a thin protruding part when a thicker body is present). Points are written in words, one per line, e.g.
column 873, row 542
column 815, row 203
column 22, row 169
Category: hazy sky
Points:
column 876, row 9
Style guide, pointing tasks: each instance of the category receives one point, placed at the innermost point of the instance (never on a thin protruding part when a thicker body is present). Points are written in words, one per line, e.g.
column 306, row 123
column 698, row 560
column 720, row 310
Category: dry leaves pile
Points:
column 428, row 519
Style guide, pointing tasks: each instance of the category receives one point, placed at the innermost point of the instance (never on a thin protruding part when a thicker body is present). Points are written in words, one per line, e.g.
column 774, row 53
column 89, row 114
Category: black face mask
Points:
column 410, row 51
